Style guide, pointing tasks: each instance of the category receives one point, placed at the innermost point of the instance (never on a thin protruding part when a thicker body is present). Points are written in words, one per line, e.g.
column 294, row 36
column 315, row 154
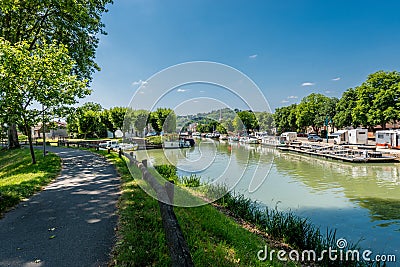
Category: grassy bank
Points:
column 214, row 239
column 20, row 179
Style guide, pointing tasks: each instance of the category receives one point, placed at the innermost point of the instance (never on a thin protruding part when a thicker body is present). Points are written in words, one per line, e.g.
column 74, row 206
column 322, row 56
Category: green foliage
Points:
column 33, row 25
column 168, row 172
column 141, row 118
column 154, row 140
column 74, row 23
column 265, row 121
column 314, row 109
column 163, row 119
column 137, row 120
column 87, row 121
column 228, row 125
column 344, row 109
column 19, row 179
column 42, row 76
column 209, row 126
column 117, row 115
column 285, row 119
column 105, row 118
column 378, row 99
column 89, row 124
column 246, row 119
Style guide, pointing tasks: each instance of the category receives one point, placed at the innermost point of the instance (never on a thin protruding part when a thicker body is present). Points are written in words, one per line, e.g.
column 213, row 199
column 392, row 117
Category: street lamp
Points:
column 328, row 121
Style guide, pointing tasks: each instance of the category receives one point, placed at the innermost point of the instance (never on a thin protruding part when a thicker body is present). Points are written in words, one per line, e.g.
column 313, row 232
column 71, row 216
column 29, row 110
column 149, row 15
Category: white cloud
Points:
column 195, row 101
column 336, row 79
column 284, row 101
column 202, row 91
column 328, row 92
column 292, row 97
column 307, row 84
column 253, row 56
column 140, row 83
column 180, row 90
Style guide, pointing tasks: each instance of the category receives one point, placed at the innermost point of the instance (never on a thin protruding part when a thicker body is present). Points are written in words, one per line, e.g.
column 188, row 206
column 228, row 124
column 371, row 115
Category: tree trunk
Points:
column 113, row 134
column 31, row 146
column 13, row 137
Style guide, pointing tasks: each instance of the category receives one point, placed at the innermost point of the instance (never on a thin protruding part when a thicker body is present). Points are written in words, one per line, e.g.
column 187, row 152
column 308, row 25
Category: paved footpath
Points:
column 70, row 223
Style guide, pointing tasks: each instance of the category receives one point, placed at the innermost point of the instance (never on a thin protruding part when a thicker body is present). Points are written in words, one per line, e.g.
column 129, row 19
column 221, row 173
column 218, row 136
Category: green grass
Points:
column 141, row 238
column 214, row 239
column 19, row 178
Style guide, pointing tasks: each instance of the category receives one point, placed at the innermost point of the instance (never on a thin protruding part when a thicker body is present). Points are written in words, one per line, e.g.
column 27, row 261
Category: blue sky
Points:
column 288, row 48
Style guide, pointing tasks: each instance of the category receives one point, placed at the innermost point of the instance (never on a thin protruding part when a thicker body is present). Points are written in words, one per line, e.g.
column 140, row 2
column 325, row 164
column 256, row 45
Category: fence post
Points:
column 119, row 152
column 169, row 188
column 144, row 162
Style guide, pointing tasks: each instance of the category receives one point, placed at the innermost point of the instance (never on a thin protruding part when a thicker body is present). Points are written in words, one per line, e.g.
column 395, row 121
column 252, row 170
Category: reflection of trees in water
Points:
column 374, row 187
column 382, row 209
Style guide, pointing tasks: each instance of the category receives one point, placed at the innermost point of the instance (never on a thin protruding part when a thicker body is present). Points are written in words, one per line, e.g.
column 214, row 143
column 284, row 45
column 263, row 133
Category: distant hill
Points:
column 215, row 115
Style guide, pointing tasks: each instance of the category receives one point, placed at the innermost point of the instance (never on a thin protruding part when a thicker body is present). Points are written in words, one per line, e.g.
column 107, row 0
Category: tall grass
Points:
column 169, row 172
column 299, row 233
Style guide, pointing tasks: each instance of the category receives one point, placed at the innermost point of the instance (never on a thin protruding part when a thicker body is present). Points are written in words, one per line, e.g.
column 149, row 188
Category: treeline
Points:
column 233, row 121
column 92, row 121
column 375, row 102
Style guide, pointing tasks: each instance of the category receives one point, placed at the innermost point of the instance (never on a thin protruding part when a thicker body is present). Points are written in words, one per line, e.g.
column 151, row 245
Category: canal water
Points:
column 361, row 201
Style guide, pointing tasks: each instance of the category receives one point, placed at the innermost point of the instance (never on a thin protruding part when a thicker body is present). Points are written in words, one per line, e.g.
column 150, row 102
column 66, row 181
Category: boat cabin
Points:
column 288, row 136
column 388, row 138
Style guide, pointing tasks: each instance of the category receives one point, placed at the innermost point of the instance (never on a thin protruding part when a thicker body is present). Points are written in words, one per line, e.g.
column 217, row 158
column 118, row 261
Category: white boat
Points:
column 248, row 140
column 128, row 146
column 270, row 141
column 182, row 143
column 233, row 139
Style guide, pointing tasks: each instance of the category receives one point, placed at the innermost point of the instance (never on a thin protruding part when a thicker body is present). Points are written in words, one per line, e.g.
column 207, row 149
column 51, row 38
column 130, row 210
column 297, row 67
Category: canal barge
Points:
column 343, row 153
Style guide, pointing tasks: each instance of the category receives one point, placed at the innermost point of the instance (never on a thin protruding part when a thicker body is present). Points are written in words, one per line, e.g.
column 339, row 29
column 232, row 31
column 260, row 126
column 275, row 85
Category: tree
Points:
column 228, row 124
column 266, row 121
column 117, row 115
column 221, row 129
column 74, row 119
column 344, row 109
column 313, row 111
column 285, row 118
column 248, row 119
column 140, row 119
column 163, row 116
column 238, row 124
column 41, row 76
column 378, row 99
column 105, row 118
column 74, row 23
column 90, row 124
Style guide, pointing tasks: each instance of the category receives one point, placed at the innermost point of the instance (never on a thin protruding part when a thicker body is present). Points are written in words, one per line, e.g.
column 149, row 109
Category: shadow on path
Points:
column 71, row 222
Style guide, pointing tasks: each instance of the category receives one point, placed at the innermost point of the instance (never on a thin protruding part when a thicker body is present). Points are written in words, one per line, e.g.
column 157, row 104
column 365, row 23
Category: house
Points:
column 57, row 129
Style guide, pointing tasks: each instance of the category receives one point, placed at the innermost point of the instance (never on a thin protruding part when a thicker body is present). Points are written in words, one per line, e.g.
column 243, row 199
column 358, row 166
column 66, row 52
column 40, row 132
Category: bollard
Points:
column 169, row 188
column 108, row 150
column 120, row 152
column 144, row 162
